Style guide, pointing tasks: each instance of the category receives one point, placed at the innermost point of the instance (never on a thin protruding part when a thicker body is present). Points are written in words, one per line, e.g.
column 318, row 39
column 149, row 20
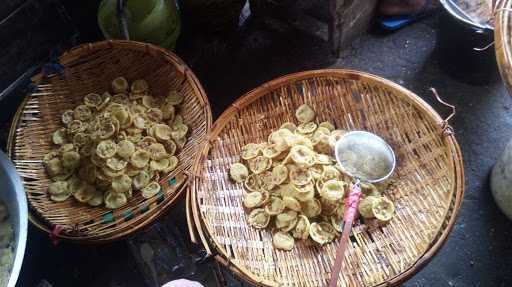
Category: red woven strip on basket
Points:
column 54, row 235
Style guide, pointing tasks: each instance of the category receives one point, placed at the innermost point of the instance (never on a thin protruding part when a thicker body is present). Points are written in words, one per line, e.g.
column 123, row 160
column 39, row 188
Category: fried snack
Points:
column 119, row 85
column 305, row 114
column 259, row 164
column 275, row 206
column 67, row 117
column 253, row 183
column 84, row 194
column 93, row 100
column 173, row 163
column 151, row 189
column 238, row 172
column 312, row 208
column 322, row 232
column 282, row 240
column 114, row 200
column 106, row 149
column 270, row 151
column 329, row 126
column 286, row 221
column 250, row 151
column 258, row 218
column 58, row 191
column 255, row 199
column 110, row 146
column 333, row 190
column 302, row 155
column 121, row 183
column 383, row 209
column 306, row 128
column 365, row 207
column 302, row 227
column 291, row 203
column 300, row 177
column 280, row 174
column 289, row 126
column 174, row 98
column 59, row 136
column 293, row 181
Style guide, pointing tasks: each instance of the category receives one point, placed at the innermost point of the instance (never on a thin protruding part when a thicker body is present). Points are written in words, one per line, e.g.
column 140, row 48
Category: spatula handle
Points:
column 351, row 204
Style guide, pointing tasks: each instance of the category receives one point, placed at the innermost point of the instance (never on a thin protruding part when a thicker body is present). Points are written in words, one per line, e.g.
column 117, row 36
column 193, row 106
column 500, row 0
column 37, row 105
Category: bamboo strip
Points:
column 428, row 192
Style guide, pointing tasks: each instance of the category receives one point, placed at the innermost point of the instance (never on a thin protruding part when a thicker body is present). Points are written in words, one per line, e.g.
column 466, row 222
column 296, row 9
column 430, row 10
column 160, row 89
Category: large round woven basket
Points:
column 427, row 193
column 90, row 68
column 503, row 41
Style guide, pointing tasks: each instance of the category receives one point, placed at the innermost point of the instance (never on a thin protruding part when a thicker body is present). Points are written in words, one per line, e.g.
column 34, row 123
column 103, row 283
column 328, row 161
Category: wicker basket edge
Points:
column 196, row 223
column 70, row 56
column 421, row 262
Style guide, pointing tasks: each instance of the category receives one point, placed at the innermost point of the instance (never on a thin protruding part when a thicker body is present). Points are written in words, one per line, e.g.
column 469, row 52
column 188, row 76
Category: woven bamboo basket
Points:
column 428, row 190
column 503, row 41
column 90, row 68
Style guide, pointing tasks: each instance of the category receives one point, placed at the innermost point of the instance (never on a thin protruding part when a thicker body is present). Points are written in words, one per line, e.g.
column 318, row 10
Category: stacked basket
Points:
column 427, row 193
column 87, row 69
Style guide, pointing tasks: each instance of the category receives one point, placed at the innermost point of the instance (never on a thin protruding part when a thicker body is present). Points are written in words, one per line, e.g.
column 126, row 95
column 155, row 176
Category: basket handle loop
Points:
column 481, row 49
column 445, row 127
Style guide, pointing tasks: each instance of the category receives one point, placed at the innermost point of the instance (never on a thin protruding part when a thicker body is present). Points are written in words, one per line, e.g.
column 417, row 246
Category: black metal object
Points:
column 466, row 49
column 123, row 22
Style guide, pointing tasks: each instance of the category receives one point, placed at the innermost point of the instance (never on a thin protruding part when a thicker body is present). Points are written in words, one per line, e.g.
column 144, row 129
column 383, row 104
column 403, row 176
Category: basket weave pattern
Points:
column 427, row 192
column 90, row 69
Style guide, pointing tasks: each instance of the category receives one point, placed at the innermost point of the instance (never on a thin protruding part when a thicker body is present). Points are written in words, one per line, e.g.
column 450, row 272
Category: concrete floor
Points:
column 479, row 249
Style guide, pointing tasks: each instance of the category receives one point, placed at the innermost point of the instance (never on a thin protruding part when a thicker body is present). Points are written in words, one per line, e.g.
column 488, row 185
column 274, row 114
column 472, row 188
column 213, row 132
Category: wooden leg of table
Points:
column 348, row 19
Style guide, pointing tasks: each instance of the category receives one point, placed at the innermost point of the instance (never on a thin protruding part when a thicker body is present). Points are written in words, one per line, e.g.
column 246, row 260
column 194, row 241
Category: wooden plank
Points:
column 345, row 19
column 350, row 19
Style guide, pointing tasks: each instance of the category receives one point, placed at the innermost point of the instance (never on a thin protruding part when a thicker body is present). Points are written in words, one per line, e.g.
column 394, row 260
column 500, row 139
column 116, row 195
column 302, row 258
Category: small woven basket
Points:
column 90, row 68
column 503, row 41
column 427, row 193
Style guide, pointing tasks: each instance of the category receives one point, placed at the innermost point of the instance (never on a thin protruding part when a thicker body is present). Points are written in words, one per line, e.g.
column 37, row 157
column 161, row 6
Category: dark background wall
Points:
column 31, row 32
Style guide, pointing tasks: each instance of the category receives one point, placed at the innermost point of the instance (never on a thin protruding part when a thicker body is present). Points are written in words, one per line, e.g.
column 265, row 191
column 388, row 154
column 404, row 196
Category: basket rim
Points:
column 449, row 140
column 76, row 52
column 503, row 43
